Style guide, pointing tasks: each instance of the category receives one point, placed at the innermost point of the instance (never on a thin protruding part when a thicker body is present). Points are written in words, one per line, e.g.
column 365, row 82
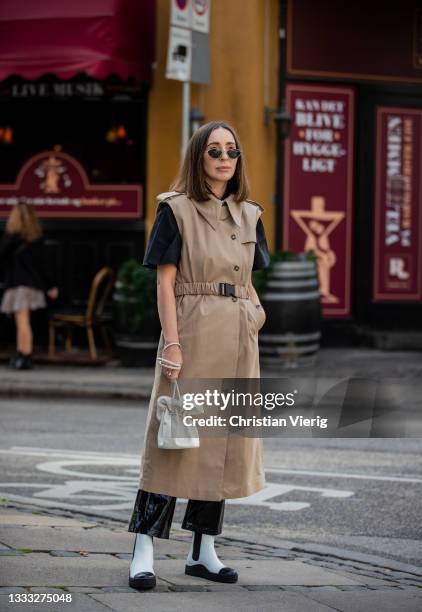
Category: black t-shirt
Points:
column 165, row 242
column 24, row 263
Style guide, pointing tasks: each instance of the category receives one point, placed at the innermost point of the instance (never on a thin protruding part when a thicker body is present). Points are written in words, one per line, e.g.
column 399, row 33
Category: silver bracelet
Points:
column 170, row 344
column 167, row 363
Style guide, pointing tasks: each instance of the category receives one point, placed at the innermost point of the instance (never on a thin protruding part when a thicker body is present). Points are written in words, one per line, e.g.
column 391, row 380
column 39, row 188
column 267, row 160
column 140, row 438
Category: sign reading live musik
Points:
column 318, row 187
column 398, row 205
column 57, row 185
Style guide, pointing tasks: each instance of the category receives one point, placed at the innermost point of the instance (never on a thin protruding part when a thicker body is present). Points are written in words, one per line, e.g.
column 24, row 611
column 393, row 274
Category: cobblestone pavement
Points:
column 87, row 562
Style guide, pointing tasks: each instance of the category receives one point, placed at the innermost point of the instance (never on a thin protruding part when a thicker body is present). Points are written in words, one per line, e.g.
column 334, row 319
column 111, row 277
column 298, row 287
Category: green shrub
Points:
column 136, row 282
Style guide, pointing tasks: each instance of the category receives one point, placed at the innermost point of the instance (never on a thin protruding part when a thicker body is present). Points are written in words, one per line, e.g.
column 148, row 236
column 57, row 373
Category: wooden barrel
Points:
column 291, row 334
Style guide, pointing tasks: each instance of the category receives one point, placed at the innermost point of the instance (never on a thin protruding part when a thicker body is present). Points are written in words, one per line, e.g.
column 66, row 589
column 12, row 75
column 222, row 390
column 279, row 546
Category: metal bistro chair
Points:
column 94, row 316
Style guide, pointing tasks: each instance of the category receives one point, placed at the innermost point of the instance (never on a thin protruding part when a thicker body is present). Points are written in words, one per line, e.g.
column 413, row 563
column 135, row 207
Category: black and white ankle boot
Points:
column 141, row 573
column 203, row 562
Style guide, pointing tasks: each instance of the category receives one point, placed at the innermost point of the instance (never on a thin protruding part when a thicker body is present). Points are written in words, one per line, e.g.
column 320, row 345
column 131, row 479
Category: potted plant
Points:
column 136, row 322
column 289, row 292
column 260, row 277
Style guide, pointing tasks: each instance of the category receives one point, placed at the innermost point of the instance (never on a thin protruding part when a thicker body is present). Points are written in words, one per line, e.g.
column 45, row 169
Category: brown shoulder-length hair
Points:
column 192, row 179
column 23, row 220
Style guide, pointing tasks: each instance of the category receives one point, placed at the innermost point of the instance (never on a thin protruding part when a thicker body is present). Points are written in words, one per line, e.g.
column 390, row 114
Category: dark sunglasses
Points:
column 217, row 153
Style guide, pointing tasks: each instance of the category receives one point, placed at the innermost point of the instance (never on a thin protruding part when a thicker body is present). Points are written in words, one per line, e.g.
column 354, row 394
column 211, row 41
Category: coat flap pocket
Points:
column 257, row 315
column 248, row 234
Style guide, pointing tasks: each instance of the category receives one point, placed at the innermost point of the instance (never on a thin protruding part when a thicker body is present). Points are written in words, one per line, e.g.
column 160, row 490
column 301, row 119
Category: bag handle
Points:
column 175, row 387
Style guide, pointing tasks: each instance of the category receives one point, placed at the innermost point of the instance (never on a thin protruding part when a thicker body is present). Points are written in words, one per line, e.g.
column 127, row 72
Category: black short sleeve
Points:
column 262, row 256
column 164, row 243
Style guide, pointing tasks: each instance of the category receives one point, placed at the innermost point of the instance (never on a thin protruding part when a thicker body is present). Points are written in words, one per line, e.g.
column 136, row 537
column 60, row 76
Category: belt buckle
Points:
column 227, row 289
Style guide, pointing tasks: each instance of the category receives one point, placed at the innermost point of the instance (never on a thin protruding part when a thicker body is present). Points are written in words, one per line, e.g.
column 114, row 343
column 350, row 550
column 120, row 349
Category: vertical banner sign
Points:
column 318, row 187
column 398, row 205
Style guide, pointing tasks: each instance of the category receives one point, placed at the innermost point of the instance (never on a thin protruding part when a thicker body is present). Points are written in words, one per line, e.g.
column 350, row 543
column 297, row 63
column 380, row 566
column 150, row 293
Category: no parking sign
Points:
column 181, row 13
column 192, row 14
column 201, row 15
column 189, row 28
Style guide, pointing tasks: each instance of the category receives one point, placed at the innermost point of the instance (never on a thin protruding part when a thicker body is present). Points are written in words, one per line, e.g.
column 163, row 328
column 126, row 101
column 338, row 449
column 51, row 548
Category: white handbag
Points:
column 172, row 432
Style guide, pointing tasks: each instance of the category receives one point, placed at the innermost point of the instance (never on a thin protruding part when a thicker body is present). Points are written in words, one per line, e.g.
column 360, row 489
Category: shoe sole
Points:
column 143, row 584
column 200, row 571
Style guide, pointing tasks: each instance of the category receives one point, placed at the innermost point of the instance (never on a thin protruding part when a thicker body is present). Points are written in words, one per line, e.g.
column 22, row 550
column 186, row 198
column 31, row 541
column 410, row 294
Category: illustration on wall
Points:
column 317, row 224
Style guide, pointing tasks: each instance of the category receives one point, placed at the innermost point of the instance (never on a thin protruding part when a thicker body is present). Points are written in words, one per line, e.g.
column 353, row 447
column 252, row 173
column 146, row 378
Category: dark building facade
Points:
column 349, row 181
column 74, row 85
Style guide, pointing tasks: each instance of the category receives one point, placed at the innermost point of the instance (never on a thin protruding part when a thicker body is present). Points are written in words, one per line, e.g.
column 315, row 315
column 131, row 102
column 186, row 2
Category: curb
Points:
column 231, row 536
column 336, row 552
column 15, row 390
column 343, row 553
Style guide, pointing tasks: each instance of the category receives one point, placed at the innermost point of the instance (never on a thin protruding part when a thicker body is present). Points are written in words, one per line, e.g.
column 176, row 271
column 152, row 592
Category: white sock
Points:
column 143, row 555
column 207, row 554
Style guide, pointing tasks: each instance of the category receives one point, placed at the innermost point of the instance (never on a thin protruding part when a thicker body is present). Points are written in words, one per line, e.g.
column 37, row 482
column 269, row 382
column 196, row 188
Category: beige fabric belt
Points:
column 198, row 288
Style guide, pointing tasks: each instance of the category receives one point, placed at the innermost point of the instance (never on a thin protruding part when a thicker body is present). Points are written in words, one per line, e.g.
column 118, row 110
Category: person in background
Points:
column 26, row 278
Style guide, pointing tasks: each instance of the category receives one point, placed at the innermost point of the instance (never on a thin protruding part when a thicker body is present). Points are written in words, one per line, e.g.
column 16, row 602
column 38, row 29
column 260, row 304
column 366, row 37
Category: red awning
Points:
column 66, row 37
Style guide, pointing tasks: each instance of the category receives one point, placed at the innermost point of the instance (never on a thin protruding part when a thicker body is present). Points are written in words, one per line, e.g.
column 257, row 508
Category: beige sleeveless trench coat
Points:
column 219, row 339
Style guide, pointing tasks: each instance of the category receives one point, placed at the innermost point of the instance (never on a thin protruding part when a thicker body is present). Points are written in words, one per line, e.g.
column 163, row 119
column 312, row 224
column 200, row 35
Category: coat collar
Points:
column 213, row 210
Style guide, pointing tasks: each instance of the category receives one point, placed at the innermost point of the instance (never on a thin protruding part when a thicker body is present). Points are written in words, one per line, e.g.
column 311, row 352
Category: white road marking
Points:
column 61, row 452
column 135, row 460
column 263, row 497
column 60, row 467
column 389, row 478
column 99, row 493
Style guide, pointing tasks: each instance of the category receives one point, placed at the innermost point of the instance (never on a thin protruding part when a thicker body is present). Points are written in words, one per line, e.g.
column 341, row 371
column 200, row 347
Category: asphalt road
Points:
column 360, row 494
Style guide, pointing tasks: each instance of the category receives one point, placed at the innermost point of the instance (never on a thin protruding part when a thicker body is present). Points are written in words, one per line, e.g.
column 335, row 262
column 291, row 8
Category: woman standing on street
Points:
column 25, row 275
column 206, row 240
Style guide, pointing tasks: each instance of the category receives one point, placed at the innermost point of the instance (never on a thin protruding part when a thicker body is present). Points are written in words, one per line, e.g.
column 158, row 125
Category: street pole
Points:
column 280, row 139
column 185, row 116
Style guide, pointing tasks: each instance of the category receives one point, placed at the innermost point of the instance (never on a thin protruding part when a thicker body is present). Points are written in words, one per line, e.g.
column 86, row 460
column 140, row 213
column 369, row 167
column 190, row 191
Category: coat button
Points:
column 236, row 268
column 234, row 298
column 233, row 236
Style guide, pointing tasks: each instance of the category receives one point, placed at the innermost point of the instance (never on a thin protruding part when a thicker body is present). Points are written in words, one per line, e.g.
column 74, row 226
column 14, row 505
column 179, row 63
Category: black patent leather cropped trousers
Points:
column 153, row 515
